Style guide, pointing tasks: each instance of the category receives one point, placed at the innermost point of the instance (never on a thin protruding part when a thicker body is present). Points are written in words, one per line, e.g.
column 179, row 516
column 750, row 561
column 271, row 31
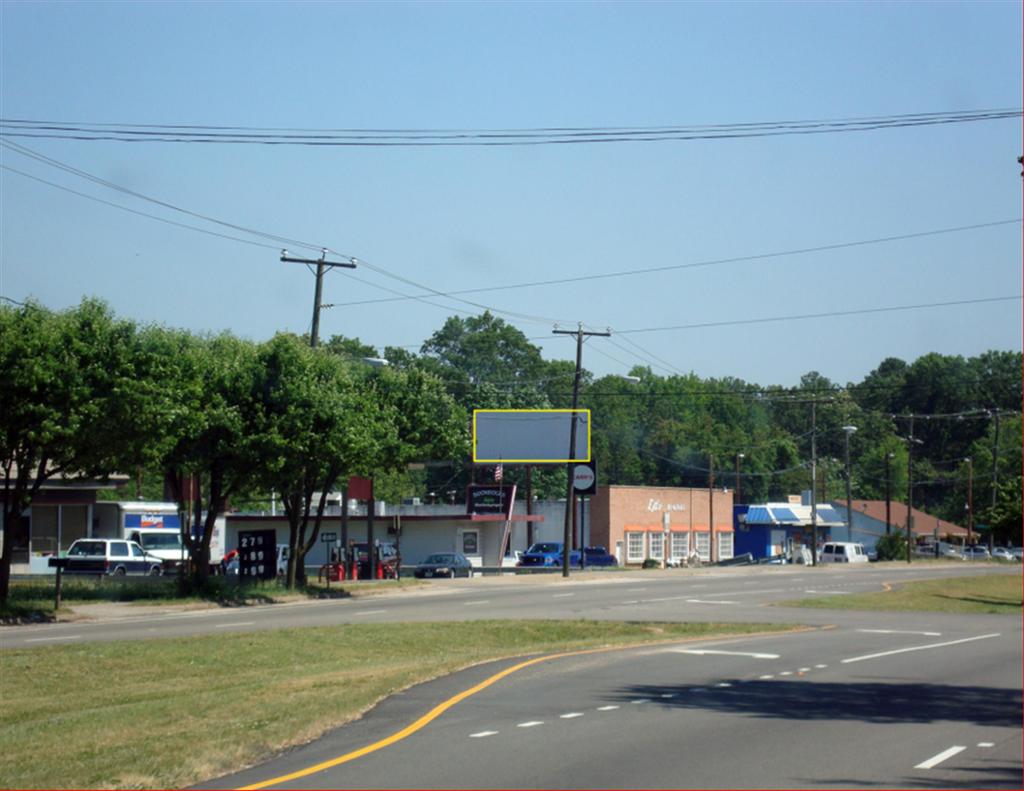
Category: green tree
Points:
column 72, row 402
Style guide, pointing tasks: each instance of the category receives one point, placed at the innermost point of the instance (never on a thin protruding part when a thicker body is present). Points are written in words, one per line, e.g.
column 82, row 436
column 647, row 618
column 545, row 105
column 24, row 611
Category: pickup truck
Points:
column 549, row 554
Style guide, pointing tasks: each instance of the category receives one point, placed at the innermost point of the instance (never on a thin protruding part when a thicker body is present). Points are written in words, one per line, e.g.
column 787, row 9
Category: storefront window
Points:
column 680, row 547
column 724, row 546
column 657, row 545
column 703, row 546
column 634, row 547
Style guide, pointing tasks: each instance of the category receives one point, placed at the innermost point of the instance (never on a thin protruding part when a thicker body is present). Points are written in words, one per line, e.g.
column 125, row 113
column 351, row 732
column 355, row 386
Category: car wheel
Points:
column 119, row 571
column 155, row 571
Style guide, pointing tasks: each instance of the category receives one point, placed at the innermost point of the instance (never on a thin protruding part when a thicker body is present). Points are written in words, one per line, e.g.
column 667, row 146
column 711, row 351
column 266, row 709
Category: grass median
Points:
column 990, row 594
column 167, row 713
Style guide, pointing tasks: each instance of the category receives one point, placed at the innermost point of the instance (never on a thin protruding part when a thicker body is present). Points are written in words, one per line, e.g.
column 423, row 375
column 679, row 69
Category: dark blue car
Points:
column 549, row 554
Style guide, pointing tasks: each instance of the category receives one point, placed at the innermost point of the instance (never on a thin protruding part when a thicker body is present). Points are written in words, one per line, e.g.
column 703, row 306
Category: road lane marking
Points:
column 562, row 595
column 640, row 700
column 429, row 717
column 919, row 648
column 827, row 593
column 530, row 724
column 50, row 639
column 369, row 612
column 765, row 678
column 474, row 603
column 986, row 744
column 482, row 734
column 571, row 715
column 704, row 601
column 786, row 673
column 669, row 695
column 702, row 652
column 229, row 625
column 820, row 667
column 899, row 631
column 804, row 670
column 935, row 760
column 723, row 685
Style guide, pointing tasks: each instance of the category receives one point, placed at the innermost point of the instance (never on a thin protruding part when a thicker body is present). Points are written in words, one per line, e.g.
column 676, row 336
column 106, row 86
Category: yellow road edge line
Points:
column 441, row 708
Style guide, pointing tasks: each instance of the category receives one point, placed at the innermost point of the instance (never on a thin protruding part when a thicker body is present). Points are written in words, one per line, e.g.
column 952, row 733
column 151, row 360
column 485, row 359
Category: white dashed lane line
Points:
column 230, row 625
column 482, row 734
column 562, row 595
column 897, row 631
column 51, row 639
column 702, row 652
column 571, row 715
column 475, row 603
column 935, row 760
column 370, row 612
column 530, row 724
column 607, row 708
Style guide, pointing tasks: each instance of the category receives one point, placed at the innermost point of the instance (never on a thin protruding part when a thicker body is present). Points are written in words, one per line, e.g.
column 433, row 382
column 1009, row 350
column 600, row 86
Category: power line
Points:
column 831, row 314
column 698, row 264
column 156, row 133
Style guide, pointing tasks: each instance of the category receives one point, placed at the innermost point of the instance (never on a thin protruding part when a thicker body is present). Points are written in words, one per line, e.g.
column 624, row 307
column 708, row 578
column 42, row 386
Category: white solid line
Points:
column 827, row 593
column 606, row 708
column 702, row 601
column 49, row 639
column 701, row 652
column 938, row 759
column 474, row 603
column 482, row 734
column 897, row 631
column 562, row 595
column 986, row 744
column 919, row 648
column 369, row 612
column 530, row 724
column 229, row 625
column 570, row 715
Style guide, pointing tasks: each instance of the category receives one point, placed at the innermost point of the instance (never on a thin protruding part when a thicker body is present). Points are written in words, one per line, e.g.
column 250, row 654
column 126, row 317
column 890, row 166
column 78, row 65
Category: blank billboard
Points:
column 529, row 436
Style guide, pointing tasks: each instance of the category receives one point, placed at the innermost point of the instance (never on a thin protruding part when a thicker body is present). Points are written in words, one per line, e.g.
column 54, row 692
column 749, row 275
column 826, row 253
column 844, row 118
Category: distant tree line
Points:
column 223, row 422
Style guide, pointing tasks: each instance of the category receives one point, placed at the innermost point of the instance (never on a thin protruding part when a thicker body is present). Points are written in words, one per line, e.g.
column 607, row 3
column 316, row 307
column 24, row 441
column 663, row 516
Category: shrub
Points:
column 892, row 547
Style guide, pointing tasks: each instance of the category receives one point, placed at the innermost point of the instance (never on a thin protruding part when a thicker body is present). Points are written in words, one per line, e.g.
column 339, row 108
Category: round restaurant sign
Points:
column 582, row 477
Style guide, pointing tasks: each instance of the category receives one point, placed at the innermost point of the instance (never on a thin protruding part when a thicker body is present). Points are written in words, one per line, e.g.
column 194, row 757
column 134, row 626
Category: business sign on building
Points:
column 168, row 521
column 489, row 499
column 584, row 478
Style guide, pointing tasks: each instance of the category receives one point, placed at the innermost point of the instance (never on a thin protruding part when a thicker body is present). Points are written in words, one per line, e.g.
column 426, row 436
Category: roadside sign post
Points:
column 329, row 538
column 584, row 484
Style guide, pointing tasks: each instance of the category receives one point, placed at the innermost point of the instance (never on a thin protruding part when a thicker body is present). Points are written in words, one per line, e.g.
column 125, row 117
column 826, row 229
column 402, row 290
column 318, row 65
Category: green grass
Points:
column 33, row 600
column 980, row 594
column 167, row 713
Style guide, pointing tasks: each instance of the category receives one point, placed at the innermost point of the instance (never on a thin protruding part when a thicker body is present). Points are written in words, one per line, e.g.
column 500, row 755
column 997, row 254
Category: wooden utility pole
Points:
column 570, row 489
column 321, row 267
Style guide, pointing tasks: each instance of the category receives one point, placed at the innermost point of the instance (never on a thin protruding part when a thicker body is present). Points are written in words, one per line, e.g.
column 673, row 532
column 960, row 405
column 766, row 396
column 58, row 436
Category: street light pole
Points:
column 970, row 499
column 738, row 457
column 888, row 492
column 848, row 430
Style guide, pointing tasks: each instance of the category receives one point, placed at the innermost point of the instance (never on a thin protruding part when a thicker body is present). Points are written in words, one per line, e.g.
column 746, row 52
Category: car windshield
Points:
column 82, row 548
column 541, row 548
column 161, row 540
column 440, row 559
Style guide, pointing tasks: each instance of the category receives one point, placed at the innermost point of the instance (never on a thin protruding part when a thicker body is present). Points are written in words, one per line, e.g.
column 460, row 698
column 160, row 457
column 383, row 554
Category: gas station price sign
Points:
column 257, row 554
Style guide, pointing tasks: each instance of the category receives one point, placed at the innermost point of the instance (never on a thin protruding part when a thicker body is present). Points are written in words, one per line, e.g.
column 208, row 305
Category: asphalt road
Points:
column 861, row 699
column 725, row 594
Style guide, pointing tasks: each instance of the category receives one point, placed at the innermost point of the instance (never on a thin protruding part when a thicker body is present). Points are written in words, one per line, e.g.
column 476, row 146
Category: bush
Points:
column 892, row 547
column 651, row 563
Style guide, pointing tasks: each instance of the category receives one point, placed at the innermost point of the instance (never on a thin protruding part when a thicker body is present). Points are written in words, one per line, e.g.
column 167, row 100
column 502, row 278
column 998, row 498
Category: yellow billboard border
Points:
column 531, row 461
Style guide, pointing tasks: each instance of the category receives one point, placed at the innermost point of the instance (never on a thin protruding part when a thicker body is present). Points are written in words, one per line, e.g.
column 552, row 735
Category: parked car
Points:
column 545, row 553
column 951, row 552
column 594, row 556
column 843, row 552
column 444, row 564
column 113, row 557
column 1002, row 553
column 976, row 552
column 1017, row 552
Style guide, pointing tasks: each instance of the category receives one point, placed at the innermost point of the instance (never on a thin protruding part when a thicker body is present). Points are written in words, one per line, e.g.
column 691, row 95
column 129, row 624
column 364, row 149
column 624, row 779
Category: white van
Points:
column 843, row 552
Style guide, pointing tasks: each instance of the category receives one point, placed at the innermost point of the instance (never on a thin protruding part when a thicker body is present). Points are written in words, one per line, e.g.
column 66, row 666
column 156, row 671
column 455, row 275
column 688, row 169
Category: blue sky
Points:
column 454, row 218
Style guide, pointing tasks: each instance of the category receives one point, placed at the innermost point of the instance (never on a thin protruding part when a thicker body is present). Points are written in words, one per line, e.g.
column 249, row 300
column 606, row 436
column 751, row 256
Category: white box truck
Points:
column 156, row 527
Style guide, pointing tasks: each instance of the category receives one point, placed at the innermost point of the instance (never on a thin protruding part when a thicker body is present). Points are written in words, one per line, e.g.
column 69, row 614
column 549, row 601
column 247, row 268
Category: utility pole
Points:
column 738, row 457
column 570, row 489
column 970, row 499
column 711, row 508
column 814, row 480
column 321, row 267
column 995, row 475
column 910, row 490
column 888, row 492
column 848, row 430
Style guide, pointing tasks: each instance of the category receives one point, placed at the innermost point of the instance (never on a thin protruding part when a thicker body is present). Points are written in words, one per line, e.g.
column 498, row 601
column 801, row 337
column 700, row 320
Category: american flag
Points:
column 498, row 472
